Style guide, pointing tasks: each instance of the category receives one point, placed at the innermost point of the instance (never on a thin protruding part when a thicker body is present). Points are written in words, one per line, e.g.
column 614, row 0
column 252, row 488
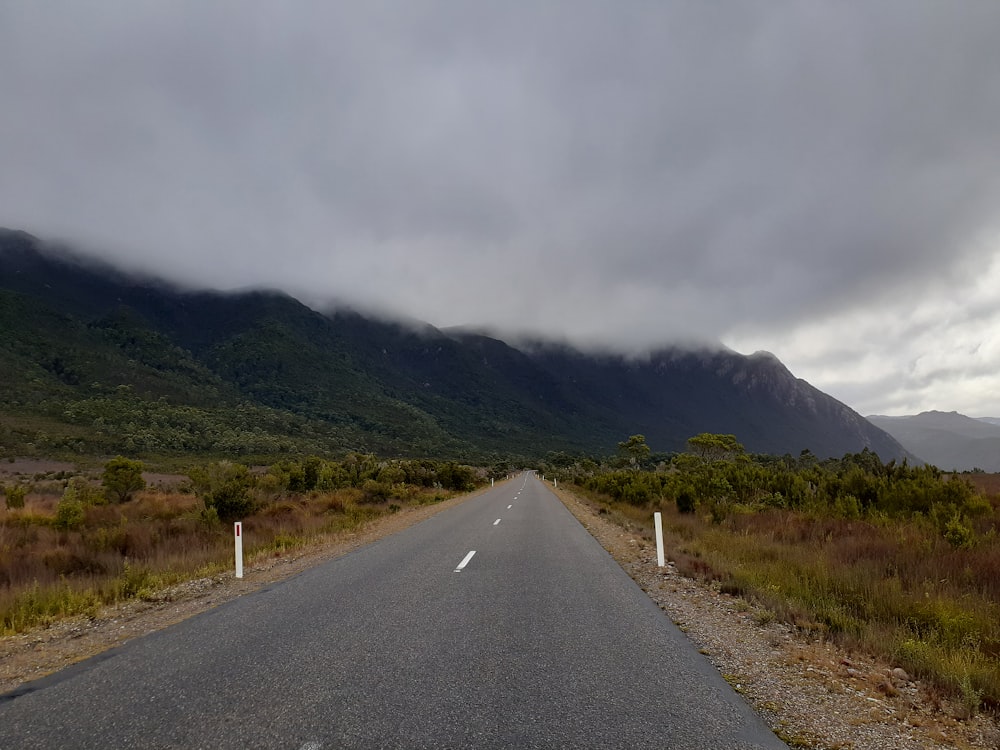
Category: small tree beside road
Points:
column 635, row 451
column 122, row 478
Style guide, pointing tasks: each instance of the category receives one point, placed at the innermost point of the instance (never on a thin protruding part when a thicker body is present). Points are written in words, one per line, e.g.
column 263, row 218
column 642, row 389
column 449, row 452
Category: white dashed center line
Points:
column 465, row 561
column 509, row 507
column 496, row 522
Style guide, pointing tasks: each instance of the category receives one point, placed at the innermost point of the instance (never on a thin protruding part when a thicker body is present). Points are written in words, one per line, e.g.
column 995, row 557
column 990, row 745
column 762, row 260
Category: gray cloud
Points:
column 614, row 172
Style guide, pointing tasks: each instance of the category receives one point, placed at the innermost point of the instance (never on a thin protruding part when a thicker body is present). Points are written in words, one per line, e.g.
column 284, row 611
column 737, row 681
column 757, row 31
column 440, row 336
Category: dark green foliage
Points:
column 376, row 478
column 311, row 472
column 452, row 476
column 122, row 478
column 224, row 487
column 160, row 427
column 391, row 474
column 685, row 501
column 375, row 491
column 637, row 488
column 717, row 477
column 635, row 451
column 714, row 447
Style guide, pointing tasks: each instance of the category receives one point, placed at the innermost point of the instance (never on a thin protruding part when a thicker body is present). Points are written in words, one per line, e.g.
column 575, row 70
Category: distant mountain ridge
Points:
column 88, row 347
column 949, row 440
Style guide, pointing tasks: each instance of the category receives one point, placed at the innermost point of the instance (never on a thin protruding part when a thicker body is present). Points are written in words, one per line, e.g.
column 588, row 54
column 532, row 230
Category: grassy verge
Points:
column 894, row 589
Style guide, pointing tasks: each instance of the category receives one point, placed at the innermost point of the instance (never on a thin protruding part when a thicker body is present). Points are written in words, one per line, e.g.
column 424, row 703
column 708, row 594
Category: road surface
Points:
column 500, row 623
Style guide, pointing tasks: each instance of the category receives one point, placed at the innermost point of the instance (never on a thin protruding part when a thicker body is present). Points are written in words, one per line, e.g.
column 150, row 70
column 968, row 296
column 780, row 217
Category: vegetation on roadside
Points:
column 894, row 560
column 71, row 542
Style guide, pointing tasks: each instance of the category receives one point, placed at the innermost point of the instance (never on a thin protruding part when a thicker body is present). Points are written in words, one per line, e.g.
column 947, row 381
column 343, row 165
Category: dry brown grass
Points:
column 988, row 485
column 161, row 537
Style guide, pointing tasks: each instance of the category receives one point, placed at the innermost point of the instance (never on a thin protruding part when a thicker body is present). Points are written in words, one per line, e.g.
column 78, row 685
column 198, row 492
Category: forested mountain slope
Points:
column 95, row 359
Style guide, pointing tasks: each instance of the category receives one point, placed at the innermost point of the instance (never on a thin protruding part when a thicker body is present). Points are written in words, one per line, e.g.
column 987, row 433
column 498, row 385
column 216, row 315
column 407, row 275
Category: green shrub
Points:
column 14, row 495
column 122, row 478
column 81, row 490
column 685, row 502
column 847, row 506
column 453, row 476
column 972, row 698
column 269, row 487
column 224, row 487
column 69, row 514
column 133, row 583
column 958, row 532
column 374, row 491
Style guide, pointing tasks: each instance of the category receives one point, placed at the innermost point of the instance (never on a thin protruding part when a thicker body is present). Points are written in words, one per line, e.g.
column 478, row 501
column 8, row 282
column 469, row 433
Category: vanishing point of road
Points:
column 500, row 623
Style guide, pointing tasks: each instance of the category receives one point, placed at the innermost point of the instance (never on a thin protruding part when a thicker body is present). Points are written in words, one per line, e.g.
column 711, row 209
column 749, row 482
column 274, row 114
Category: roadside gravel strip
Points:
column 811, row 693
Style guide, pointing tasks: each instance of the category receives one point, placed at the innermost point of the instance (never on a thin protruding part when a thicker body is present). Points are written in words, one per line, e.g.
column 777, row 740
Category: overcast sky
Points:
column 818, row 179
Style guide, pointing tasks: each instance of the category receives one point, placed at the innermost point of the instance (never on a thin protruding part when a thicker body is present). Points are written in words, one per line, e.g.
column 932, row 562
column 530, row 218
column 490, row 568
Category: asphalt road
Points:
column 540, row 640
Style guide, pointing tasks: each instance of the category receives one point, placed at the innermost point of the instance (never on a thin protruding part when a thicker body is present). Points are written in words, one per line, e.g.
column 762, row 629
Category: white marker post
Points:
column 238, row 531
column 491, row 481
column 658, row 523
column 555, row 482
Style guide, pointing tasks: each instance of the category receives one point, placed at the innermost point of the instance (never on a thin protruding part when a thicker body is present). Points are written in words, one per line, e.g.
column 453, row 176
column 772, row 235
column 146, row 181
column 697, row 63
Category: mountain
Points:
column 949, row 440
column 92, row 358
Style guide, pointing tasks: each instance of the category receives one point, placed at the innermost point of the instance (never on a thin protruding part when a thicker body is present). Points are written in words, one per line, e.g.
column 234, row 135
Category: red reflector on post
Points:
column 238, row 528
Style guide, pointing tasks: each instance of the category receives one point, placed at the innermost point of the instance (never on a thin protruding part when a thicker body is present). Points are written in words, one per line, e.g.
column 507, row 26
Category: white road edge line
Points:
column 465, row 561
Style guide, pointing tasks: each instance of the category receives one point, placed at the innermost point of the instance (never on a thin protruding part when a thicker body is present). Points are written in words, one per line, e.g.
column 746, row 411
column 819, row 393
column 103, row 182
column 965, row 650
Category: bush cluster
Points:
column 14, row 495
column 231, row 491
column 855, row 486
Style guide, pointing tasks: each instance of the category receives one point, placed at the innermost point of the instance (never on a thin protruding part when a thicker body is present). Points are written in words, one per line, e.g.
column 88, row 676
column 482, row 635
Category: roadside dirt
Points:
column 27, row 467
